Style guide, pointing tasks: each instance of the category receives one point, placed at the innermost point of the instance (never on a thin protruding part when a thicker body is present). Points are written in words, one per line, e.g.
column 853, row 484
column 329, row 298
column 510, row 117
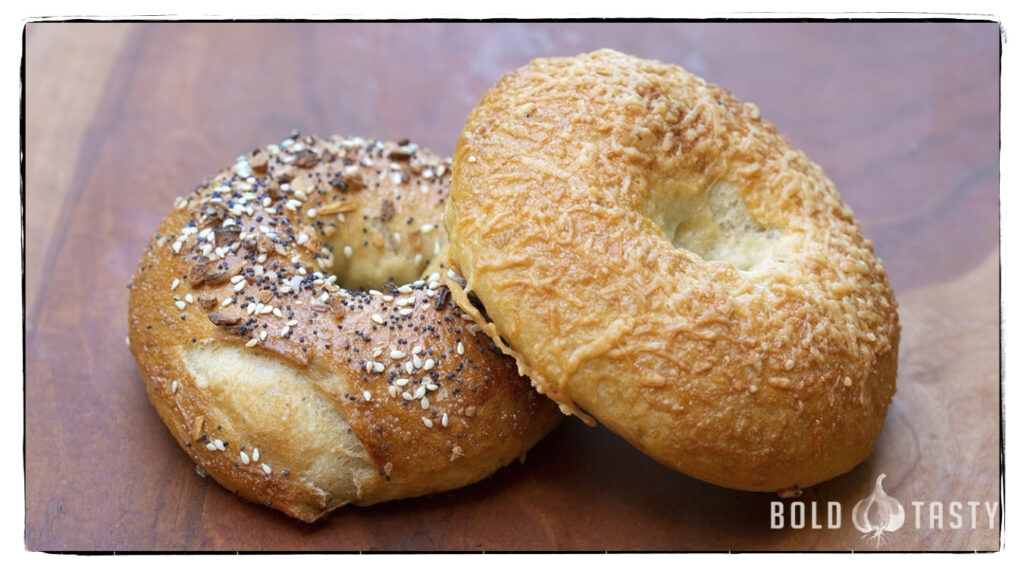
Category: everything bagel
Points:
column 294, row 334
column 656, row 255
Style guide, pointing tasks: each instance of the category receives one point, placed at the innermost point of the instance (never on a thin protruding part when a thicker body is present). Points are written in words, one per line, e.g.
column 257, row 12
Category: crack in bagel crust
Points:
column 291, row 324
column 755, row 333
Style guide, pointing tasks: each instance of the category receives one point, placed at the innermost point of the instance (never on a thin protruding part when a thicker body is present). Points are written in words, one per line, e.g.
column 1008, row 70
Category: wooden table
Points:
column 122, row 118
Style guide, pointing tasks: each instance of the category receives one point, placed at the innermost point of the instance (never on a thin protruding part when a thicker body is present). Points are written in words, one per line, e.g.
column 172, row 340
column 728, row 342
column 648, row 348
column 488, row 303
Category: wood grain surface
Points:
column 122, row 118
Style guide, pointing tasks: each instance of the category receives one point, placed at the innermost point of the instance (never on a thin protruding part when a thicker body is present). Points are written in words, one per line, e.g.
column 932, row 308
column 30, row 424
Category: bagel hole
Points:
column 373, row 264
column 714, row 224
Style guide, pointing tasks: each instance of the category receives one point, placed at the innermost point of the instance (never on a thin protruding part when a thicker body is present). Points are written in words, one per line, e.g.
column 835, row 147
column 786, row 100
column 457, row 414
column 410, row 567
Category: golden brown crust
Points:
column 657, row 255
column 300, row 394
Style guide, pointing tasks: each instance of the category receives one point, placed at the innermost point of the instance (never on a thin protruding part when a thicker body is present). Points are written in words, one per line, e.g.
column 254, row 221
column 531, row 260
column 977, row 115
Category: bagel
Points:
column 655, row 255
column 287, row 341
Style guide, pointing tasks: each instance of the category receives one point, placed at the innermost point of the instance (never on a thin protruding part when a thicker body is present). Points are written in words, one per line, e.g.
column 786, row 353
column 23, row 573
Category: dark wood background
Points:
column 122, row 118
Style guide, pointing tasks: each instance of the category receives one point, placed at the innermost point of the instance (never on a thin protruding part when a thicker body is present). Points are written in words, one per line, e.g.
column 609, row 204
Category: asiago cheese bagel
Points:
column 656, row 255
column 294, row 333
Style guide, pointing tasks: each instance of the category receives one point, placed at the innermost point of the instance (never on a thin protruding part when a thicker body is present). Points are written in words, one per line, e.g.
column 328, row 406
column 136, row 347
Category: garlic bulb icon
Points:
column 878, row 513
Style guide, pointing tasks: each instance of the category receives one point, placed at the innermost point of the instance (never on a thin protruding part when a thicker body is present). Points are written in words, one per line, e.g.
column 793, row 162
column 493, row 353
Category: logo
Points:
column 878, row 514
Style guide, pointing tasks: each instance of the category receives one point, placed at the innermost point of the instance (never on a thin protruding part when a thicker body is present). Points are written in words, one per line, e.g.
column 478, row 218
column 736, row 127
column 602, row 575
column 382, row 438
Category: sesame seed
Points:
column 255, row 454
column 378, row 367
column 188, row 298
column 397, row 354
column 236, row 279
column 406, row 311
column 428, row 364
column 251, row 308
column 174, row 386
column 180, row 304
column 417, row 361
column 240, row 286
column 243, row 457
column 175, row 283
column 401, row 382
column 789, row 364
column 376, row 318
column 427, row 422
column 405, row 289
column 285, row 331
column 266, row 469
column 226, row 302
column 408, row 367
column 219, row 444
column 426, row 228
column 460, row 349
column 252, row 343
column 444, row 419
column 263, row 334
column 211, row 446
column 417, row 349
column 348, row 251
column 292, row 323
column 303, row 238
column 377, row 352
column 392, row 391
column 424, row 403
column 366, row 394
